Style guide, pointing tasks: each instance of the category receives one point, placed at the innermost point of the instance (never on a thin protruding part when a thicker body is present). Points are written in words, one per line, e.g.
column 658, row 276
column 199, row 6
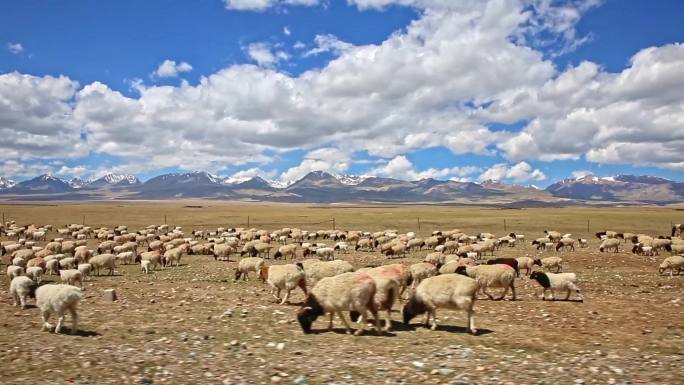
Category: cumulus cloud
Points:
column 329, row 159
column 15, row 48
column 400, row 167
column 328, row 43
column 171, row 69
column 518, row 172
column 581, row 173
column 387, row 99
column 264, row 55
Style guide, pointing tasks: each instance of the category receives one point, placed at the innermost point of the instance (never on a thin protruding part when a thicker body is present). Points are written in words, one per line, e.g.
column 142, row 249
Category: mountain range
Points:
column 323, row 187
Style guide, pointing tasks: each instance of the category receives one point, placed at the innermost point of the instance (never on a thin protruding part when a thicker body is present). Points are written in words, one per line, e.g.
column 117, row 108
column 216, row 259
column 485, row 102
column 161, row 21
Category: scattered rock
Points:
column 110, row 294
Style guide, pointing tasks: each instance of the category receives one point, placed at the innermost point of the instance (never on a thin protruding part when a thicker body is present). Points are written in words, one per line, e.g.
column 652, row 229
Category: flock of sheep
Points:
column 458, row 267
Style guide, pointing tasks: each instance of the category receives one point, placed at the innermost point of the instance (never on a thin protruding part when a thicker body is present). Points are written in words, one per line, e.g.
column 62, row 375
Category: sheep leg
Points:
column 484, row 290
column 363, row 318
column 427, row 319
column 45, row 315
column 60, row 321
column 503, row 295
column 346, row 324
column 433, row 313
column 16, row 299
column 287, row 295
column 388, row 320
column 330, row 324
column 512, row 291
column 22, row 299
column 74, row 319
column 471, row 322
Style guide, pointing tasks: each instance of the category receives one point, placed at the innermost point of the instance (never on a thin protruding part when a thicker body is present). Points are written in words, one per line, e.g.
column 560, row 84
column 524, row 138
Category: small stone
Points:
column 299, row 380
column 110, row 294
column 579, row 381
column 280, row 346
column 233, row 343
column 275, row 379
column 418, row 364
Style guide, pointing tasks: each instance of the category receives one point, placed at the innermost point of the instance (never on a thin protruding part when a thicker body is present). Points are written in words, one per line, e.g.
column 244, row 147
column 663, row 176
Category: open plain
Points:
column 193, row 324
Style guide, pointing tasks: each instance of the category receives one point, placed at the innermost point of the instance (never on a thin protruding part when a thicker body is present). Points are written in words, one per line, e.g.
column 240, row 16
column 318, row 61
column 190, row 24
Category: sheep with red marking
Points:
column 512, row 262
column 450, row 291
column 345, row 292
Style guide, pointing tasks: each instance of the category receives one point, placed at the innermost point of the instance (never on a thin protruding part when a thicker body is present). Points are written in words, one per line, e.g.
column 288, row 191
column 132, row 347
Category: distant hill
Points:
column 323, row 187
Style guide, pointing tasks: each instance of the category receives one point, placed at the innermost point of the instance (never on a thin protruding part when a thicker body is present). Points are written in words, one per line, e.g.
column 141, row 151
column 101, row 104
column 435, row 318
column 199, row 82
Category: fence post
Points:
column 3, row 219
column 248, row 221
column 418, row 223
column 84, row 220
column 333, row 223
column 588, row 226
column 164, row 219
column 505, row 224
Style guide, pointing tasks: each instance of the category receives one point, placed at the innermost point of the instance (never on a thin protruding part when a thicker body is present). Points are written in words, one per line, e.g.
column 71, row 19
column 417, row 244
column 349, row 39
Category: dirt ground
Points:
column 193, row 324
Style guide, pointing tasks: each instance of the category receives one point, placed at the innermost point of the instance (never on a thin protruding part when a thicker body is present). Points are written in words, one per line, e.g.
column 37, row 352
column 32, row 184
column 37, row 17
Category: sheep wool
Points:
column 344, row 292
column 283, row 277
column 58, row 299
column 675, row 262
column 556, row 282
column 247, row 265
column 22, row 288
column 450, row 291
column 496, row 276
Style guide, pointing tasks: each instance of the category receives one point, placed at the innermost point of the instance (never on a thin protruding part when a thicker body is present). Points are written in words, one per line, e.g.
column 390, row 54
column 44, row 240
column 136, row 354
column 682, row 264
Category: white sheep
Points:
column 14, row 271
column 21, row 288
column 610, row 243
column 526, row 263
column 345, row 292
column 420, row 271
column 675, row 262
column 71, row 277
column 102, row 261
column 555, row 263
column 247, row 265
column 52, row 266
column 85, row 269
column 58, row 299
column 557, row 281
column 283, row 277
column 451, row 291
column 327, row 253
column 498, row 275
column 316, row 271
column 145, row 266
column 35, row 273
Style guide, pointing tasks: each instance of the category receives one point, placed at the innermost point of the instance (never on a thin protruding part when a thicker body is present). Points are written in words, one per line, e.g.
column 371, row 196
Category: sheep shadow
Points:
column 79, row 333
column 342, row 331
column 449, row 329
column 563, row 300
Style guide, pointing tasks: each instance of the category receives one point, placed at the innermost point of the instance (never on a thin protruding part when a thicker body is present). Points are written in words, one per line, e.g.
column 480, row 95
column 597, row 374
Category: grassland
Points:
column 169, row 327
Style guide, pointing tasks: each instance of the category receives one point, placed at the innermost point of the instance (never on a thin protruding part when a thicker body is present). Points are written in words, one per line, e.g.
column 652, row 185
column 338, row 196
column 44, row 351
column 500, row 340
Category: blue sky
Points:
column 527, row 91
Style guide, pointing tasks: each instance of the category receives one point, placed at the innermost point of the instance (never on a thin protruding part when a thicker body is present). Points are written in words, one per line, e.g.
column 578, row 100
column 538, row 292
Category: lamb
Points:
column 550, row 263
column 71, row 277
column 491, row 276
column 319, row 270
column 52, row 266
column 283, row 277
column 327, row 253
column 451, row 291
column 526, row 263
column 583, row 242
column 223, row 251
column 22, row 288
column 285, row 251
column 561, row 281
column 348, row 291
column 85, row 269
column 675, row 262
column 103, row 261
column 35, row 273
column 58, row 299
column 420, row 271
column 14, row 271
column 512, row 262
column 172, row 255
column 566, row 243
column 246, row 265
column 126, row 257
column 610, row 243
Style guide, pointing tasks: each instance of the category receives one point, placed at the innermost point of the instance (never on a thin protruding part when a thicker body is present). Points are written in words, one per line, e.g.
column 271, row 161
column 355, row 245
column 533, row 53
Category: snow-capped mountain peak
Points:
column 6, row 183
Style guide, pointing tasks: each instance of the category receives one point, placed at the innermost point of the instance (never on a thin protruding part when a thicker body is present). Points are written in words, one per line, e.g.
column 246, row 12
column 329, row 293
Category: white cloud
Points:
column 262, row 5
column 329, row 159
column 408, row 92
column 171, row 69
column 264, row 56
column 581, row 173
column 15, row 48
column 286, row 31
column 328, row 43
column 400, row 167
column 518, row 172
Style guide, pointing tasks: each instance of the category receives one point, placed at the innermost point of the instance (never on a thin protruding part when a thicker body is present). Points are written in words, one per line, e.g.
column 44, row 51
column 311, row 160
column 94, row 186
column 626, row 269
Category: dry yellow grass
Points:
column 167, row 327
